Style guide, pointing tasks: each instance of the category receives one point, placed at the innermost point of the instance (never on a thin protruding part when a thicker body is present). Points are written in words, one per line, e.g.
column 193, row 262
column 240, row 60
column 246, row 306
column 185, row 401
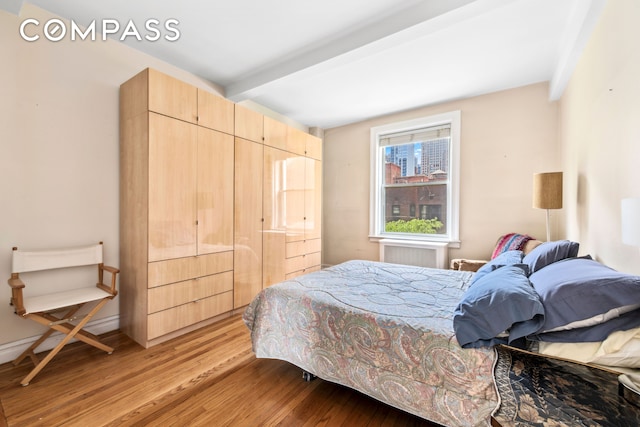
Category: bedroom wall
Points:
column 59, row 153
column 506, row 137
column 59, row 149
column 600, row 136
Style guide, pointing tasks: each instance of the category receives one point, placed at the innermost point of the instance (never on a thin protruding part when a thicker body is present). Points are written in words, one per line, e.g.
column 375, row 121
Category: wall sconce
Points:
column 547, row 193
column 630, row 224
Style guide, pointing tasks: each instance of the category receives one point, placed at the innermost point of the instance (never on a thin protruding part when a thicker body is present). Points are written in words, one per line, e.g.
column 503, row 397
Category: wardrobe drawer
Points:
column 168, row 296
column 163, row 322
column 294, row 264
column 312, row 260
column 302, row 263
column 179, row 269
column 294, row 249
column 301, row 272
column 301, row 247
column 313, row 245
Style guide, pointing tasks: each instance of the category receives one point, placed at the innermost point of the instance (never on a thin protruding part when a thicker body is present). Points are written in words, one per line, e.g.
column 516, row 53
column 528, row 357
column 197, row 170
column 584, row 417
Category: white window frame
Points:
column 376, row 209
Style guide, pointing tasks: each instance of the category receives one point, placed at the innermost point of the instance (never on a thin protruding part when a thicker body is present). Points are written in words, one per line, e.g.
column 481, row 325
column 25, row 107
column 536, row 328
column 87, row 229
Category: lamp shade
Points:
column 630, row 209
column 547, row 190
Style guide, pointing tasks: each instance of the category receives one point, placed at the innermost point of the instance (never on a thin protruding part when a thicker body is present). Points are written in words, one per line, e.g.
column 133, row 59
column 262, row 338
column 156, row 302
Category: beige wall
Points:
column 600, row 135
column 505, row 138
column 59, row 146
column 59, row 150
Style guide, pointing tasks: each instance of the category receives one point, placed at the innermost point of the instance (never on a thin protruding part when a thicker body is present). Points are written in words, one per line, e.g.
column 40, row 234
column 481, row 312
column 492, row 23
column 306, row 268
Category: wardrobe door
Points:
column 295, row 197
column 275, row 133
column 296, row 141
column 215, row 112
column 274, row 211
column 172, row 97
column 313, row 199
column 249, row 124
column 215, row 191
column 172, row 188
column 313, row 147
column 248, row 221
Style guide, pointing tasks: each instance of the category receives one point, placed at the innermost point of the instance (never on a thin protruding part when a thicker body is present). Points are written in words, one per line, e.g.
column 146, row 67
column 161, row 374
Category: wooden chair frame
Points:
column 51, row 317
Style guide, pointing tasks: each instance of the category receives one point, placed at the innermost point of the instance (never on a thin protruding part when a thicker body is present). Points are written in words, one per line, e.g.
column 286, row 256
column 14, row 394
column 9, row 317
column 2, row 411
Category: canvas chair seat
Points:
column 58, row 309
column 61, row 300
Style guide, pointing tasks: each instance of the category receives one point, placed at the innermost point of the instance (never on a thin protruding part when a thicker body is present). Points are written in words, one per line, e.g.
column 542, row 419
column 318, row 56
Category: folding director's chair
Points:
column 57, row 309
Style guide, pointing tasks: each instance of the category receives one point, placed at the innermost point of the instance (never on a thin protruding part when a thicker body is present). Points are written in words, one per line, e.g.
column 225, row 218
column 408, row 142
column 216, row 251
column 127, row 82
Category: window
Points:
column 415, row 164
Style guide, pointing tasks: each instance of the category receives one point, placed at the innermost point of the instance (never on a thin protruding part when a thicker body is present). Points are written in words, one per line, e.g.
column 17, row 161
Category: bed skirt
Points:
column 538, row 391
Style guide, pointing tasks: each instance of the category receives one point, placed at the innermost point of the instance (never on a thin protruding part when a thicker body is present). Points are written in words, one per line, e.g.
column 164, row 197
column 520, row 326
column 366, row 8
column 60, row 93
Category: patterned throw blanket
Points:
column 510, row 242
column 539, row 391
column 383, row 329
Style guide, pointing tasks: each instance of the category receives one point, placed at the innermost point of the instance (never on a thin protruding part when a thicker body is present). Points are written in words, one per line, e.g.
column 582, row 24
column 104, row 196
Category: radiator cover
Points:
column 422, row 254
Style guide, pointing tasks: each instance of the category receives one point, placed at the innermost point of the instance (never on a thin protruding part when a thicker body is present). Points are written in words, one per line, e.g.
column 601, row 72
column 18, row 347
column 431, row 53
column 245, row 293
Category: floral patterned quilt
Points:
column 383, row 329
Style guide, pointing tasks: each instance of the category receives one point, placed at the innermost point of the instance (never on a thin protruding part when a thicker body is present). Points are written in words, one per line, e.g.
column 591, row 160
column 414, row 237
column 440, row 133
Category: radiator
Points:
column 422, row 254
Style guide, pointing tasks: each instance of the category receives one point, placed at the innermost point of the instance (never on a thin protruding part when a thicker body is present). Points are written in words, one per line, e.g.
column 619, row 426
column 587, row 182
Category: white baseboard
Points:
column 9, row 351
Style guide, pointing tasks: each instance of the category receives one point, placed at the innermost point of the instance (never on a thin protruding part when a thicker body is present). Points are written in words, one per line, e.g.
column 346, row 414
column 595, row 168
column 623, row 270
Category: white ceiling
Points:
column 328, row 63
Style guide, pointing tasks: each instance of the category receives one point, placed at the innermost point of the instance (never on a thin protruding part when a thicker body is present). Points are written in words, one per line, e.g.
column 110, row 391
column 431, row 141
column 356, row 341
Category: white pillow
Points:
column 620, row 349
column 597, row 319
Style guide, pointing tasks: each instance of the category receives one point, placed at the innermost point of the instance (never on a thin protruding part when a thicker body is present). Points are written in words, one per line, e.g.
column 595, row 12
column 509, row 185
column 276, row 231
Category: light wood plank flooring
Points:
column 209, row 377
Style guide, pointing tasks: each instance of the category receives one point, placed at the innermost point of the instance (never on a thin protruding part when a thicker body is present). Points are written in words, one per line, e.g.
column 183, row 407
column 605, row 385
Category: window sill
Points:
column 416, row 241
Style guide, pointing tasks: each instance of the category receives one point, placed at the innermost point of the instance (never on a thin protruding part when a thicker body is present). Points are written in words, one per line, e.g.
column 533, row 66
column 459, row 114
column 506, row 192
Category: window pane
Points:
column 416, row 162
column 407, row 168
column 430, row 217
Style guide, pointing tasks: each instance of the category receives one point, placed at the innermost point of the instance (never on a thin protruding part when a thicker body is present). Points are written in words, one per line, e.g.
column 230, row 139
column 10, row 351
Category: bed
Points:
column 422, row 340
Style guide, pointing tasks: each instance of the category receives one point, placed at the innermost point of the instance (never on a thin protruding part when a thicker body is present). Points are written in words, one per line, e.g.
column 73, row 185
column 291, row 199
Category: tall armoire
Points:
column 278, row 203
column 217, row 202
column 176, row 206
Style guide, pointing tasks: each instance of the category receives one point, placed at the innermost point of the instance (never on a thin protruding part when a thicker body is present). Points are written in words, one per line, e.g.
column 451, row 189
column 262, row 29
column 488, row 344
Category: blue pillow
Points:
column 549, row 252
column 505, row 258
column 500, row 301
column 580, row 288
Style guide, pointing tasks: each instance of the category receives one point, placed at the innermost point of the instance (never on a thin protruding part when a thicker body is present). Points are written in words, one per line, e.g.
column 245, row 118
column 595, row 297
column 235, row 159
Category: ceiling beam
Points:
column 12, row 6
column 419, row 20
column 581, row 23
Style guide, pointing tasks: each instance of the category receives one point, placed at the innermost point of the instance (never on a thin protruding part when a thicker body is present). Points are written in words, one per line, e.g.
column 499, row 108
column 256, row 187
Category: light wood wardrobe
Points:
column 216, row 202
column 278, row 203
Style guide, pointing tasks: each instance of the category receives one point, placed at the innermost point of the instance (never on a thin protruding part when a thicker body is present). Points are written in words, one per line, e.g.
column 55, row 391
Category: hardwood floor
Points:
column 209, row 377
